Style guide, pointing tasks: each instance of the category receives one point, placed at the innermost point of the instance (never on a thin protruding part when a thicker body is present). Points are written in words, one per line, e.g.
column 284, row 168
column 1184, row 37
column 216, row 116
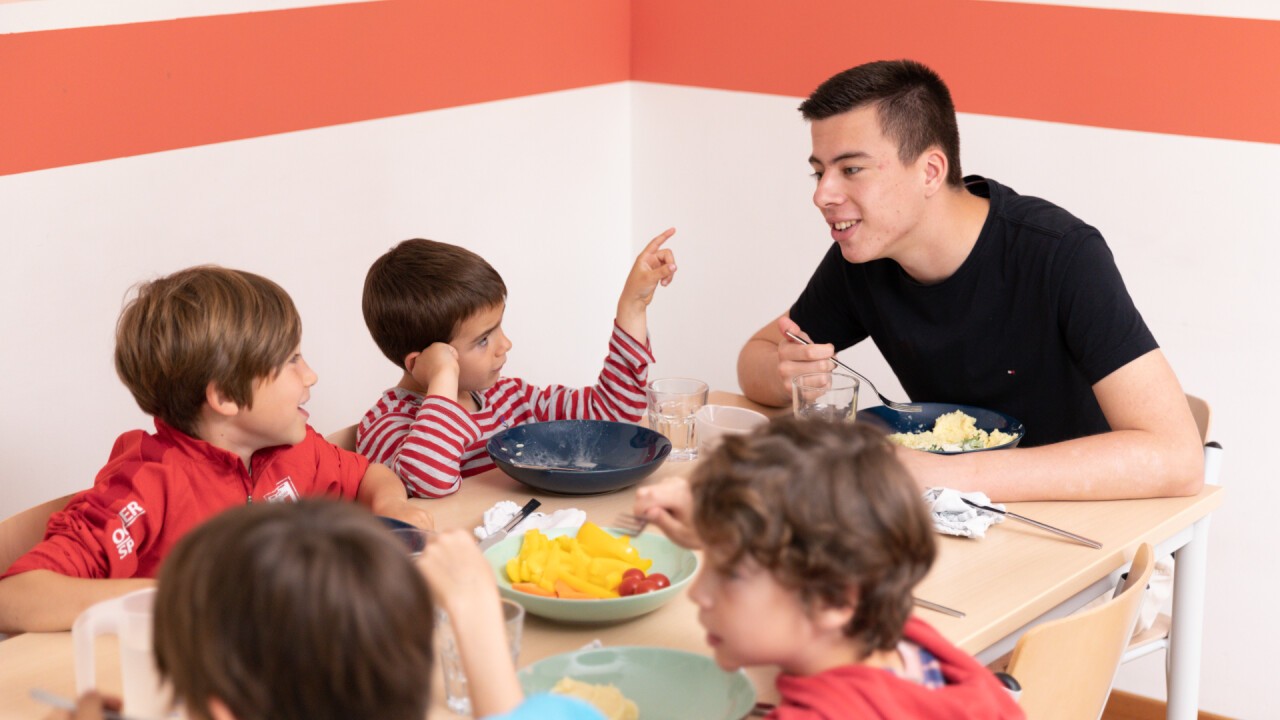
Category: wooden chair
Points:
column 1066, row 666
column 21, row 532
column 344, row 438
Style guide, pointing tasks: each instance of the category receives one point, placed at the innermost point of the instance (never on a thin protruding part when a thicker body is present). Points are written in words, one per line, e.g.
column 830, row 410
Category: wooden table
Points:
column 1014, row 577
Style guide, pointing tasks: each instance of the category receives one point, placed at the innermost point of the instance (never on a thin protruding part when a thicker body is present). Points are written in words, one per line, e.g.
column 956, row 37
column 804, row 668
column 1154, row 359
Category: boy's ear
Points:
column 410, row 360
column 219, row 711
column 219, row 402
column 837, row 617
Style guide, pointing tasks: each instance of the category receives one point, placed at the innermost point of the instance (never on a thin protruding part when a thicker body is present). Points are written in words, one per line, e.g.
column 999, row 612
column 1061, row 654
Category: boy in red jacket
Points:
column 214, row 355
column 814, row 538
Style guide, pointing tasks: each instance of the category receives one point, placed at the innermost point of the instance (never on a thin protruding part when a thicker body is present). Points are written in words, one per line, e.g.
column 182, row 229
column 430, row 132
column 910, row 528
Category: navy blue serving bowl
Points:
column 597, row 456
column 414, row 544
column 894, row 421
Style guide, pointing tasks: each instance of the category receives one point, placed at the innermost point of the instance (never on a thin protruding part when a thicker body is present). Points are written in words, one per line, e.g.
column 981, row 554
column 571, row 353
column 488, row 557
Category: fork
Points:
column 900, row 407
column 630, row 525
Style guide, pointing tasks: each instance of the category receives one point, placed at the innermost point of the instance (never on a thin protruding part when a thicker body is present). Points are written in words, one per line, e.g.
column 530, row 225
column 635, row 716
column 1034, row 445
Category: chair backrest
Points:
column 1201, row 412
column 344, row 438
column 20, row 533
column 1066, row 666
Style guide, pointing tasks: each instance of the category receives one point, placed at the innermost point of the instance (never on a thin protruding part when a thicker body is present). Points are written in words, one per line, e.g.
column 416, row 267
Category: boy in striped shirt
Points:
column 435, row 310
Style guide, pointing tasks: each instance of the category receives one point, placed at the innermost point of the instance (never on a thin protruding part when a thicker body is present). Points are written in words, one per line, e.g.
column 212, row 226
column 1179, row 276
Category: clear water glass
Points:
column 825, row 395
column 673, row 410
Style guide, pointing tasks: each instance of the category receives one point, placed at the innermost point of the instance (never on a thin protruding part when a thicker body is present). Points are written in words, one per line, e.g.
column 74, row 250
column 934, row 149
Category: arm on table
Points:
column 383, row 493
column 1153, row 449
column 44, row 601
column 769, row 360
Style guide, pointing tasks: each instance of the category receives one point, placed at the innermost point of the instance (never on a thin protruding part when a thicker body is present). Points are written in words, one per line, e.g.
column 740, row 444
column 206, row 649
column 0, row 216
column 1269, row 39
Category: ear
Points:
column 836, row 617
column 219, row 402
column 219, row 711
column 410, row 360
column 934, row 166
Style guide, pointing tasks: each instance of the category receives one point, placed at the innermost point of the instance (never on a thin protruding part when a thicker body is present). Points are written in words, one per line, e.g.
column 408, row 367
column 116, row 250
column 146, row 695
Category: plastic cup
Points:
column 128, row 617
column 716, row 421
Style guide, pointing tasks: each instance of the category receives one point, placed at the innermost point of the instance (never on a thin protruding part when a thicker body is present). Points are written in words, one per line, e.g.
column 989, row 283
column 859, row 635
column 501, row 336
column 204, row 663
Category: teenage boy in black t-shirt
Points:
column 975, row 295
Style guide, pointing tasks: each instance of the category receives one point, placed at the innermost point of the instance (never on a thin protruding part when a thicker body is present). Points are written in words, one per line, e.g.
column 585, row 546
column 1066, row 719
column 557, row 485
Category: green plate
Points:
column 664, row 684
column 677, row 563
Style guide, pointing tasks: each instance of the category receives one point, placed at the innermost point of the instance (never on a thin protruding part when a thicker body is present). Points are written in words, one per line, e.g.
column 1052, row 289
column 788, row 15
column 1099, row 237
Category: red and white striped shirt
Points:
column 432, row 442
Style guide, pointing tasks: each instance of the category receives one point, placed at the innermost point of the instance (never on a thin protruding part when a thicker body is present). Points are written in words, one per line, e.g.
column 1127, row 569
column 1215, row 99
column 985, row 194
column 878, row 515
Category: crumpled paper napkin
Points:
column 502, row 512
column 952, row 517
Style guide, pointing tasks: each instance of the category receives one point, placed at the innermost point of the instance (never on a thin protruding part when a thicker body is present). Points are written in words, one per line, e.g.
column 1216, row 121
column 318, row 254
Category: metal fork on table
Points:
column 900, row 407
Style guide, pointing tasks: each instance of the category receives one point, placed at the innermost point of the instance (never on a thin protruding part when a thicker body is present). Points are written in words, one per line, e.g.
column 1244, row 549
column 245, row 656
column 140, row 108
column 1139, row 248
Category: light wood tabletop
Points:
column 1002, row 582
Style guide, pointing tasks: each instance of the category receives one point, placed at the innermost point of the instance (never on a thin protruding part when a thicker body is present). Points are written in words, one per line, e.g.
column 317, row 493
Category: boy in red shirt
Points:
column 814, row 538
column 435, row 310
column 214, row 355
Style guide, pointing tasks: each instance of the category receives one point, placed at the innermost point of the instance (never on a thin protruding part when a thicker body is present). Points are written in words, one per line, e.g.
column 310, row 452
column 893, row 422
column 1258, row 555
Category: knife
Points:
column 515, row 520
column 1072, row 536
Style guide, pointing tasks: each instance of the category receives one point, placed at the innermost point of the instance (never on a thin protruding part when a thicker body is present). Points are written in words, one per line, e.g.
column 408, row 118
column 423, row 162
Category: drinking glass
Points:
column 826, row 395
column 455, row 679
column 673, row 407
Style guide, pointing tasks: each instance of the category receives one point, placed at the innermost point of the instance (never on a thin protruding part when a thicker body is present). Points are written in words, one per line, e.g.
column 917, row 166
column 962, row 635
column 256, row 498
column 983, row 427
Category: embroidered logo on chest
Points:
column 284, row 492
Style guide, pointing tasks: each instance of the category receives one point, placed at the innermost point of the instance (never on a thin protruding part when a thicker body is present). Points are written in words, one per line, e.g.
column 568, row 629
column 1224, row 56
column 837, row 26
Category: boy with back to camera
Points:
column 814, row 536
column 313, row 611
column 214, row 355
column 435, row 310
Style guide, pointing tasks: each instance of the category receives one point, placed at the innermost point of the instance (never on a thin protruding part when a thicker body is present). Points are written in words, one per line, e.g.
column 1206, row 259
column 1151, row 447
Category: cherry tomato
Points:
column 636, row 573
column 628, row 586
column 658, row 580
column 648, row 585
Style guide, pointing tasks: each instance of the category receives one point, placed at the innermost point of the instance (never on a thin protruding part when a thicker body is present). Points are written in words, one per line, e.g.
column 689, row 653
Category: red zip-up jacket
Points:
column 156, row 487
column 862, row 692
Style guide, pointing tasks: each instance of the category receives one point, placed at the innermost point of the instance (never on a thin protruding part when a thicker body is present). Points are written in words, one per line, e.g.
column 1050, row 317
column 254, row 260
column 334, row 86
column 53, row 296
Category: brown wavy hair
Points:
column 201, row 325
column 295, row 611
column 828, row 510
column 420, row 292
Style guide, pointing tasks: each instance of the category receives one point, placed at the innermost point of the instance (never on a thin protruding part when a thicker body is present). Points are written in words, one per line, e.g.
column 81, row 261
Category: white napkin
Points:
column 952, row 517
column 502, row 512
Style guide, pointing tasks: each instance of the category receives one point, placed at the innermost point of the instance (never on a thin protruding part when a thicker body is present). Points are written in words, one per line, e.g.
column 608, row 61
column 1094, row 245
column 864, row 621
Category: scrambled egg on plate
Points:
column 608, row 699
column 952, row 432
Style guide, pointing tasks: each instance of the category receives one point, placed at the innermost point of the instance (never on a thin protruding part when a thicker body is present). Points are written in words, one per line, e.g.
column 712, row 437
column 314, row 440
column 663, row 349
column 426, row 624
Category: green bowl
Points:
column 664, row 684
column 677, row 563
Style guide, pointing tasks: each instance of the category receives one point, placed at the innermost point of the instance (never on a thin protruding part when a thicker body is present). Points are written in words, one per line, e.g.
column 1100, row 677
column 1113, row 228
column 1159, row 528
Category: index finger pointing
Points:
column 656, row 243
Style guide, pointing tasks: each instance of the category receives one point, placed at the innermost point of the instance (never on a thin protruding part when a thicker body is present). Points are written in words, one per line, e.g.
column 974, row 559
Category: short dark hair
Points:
column 912, row 103
column 200, row 325
column 420, row 291
column 825, row 508
column 284, row 611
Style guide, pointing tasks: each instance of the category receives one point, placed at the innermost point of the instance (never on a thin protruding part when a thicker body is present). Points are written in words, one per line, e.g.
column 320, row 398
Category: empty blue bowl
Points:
column 894, row 421
column 581, row 457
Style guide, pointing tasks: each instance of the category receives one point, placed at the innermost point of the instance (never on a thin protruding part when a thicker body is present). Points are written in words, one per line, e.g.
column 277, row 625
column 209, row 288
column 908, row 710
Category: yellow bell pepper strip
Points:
column 599, row 543
column 585, row 587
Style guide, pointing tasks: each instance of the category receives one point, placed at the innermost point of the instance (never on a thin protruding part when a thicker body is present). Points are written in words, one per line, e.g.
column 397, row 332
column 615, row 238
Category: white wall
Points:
column 1192, row 222
column 540, row 186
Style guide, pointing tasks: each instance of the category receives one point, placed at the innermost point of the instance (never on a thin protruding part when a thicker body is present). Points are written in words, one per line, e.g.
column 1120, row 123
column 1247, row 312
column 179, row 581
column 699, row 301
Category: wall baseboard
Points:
column 1127, row 706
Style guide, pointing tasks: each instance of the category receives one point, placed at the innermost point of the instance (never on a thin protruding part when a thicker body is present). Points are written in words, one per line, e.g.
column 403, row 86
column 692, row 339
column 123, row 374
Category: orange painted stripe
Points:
column 1179, row 74
column 87, row 94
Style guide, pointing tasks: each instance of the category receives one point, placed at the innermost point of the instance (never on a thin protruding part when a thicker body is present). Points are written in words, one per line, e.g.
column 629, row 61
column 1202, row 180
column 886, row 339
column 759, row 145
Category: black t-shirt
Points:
column 1030, row 321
